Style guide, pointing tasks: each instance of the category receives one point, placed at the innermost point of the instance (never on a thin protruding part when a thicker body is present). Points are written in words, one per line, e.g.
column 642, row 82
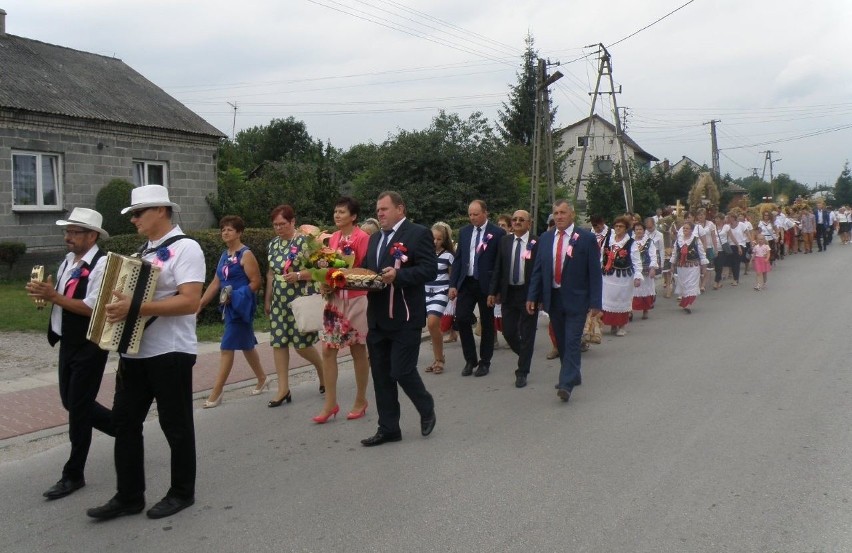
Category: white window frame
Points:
column 39, row 205
column 145, row 165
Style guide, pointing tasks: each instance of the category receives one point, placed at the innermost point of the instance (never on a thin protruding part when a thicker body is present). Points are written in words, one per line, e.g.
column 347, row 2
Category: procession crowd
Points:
column 496, row 276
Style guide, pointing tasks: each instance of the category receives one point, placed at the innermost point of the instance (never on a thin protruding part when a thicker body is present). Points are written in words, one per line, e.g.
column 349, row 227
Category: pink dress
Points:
column 761, row 263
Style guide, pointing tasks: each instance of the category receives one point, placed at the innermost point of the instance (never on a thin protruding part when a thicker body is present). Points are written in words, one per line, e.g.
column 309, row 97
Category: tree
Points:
column 439, row 170
column 605, row 195
column 517, row 118
column 843, row 187
column 281, row 140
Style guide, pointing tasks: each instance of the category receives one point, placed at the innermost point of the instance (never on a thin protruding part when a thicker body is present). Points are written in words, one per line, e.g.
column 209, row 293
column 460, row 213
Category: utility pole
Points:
column 768, row 159
column 542, row 140
column 605, row 68
column 714, row 149
column 234, row 124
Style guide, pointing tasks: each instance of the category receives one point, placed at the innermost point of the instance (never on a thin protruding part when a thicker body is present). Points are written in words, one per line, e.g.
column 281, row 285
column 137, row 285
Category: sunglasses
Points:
column 136, row 213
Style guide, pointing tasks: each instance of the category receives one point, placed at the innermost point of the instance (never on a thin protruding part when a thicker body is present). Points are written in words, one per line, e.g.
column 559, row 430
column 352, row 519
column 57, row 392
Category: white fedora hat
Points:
column 86, row 218
column 152, row 195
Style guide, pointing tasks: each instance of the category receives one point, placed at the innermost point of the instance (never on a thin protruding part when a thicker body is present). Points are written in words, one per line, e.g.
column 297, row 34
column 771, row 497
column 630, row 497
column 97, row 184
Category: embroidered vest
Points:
column 617, row 261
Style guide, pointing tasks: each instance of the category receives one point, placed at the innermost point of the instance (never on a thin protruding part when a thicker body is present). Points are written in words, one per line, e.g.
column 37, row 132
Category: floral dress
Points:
column 283, row 331
column 345, row 313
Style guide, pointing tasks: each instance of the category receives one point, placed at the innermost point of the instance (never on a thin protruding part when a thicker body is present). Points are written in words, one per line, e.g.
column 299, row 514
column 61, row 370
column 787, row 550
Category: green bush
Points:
column 211, row 244
column 111, row 199
column 10, row 252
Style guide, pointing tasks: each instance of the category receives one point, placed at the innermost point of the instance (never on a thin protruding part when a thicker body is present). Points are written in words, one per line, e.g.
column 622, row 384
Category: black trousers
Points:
column 168, row 379
column 821, row 237
column 519, row 327
column 470, row 295
column 719, row 262
column 393, row 362
column 736, row 257
column 81, row 369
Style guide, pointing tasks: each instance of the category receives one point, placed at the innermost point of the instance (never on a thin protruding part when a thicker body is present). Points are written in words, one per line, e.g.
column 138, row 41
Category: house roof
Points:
column 49, row 79
column 684, row 161
column 627, row 140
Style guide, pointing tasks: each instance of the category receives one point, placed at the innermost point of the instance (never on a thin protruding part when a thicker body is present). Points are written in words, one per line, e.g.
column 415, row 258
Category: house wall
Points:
column 602, row 142
column 93, row 153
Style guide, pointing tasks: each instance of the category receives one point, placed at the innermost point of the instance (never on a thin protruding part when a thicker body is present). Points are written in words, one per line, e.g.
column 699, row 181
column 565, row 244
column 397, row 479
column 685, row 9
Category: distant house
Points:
column 71, row 121
column 602, row 152
column 685, row 162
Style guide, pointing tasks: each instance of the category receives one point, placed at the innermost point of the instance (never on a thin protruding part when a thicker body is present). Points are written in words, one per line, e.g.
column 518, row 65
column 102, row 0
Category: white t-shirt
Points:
column 64, row 275
column 184, row 265
column 723, row 234
column 739, row 232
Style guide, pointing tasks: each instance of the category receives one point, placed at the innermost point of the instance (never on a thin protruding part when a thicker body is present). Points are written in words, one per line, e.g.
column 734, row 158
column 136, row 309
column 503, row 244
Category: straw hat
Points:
column 86, row 218
column 152, row 195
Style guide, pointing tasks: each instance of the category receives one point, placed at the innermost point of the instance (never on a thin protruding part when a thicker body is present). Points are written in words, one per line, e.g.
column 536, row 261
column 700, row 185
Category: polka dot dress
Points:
column 283, row 331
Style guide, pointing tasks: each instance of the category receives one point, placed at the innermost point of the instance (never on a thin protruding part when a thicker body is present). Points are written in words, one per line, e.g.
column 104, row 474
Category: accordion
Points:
column 137, row 279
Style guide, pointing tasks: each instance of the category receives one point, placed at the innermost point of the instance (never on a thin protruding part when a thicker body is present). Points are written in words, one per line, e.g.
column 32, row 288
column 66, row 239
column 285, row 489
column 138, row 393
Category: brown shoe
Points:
column 554, row 353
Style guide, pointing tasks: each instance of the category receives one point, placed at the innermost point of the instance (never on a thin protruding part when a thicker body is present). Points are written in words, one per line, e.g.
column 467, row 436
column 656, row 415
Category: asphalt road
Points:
column 724, row 430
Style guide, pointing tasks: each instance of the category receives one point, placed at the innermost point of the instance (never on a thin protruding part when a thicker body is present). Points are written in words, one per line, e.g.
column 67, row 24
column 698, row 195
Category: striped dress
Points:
column 436, row 291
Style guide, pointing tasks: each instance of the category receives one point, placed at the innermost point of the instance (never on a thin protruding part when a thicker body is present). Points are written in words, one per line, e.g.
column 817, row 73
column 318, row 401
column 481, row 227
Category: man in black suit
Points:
column 470, row 281
column 567, row 281
column 404, row 254
column 81, row 362
column 509, row 285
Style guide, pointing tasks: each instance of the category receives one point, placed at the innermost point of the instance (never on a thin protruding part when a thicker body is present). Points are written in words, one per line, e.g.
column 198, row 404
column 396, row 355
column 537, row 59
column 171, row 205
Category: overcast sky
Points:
column 776, row 73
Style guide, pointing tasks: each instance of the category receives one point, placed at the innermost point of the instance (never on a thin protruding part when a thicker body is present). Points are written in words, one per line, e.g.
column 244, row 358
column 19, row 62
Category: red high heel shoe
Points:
column 319, row 419
column 357, row 414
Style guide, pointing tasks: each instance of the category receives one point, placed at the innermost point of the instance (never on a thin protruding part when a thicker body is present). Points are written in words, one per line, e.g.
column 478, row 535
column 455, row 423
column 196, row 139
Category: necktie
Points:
column 476, row 253
column 557, row 269
column 516, row 269
column 383, row 247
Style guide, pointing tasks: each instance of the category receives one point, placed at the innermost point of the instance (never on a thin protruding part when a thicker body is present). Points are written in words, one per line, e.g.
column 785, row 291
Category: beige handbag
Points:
column 307, row 311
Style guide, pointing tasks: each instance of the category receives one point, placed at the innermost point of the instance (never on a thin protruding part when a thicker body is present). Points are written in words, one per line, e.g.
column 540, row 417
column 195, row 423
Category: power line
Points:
column 372, row 18
column 631, row 35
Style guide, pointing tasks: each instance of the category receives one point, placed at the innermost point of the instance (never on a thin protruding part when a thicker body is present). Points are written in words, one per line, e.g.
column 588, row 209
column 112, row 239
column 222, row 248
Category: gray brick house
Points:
column 71, row 121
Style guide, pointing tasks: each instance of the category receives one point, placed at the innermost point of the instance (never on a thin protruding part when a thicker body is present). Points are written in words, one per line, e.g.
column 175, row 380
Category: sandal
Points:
column 438, row 366
column 431, row 367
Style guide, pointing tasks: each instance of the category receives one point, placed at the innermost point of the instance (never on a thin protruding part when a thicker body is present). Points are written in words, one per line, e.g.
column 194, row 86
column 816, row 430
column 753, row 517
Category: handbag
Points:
column 307, row 312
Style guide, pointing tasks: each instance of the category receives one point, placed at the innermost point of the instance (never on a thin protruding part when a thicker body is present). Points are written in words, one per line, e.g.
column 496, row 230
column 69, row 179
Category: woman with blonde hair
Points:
column 437, row 293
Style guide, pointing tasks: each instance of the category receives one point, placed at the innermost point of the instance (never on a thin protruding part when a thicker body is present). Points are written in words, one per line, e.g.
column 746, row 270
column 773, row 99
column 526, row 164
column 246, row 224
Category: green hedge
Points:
column 211, row 244
column 10, row 252
column 109, row 202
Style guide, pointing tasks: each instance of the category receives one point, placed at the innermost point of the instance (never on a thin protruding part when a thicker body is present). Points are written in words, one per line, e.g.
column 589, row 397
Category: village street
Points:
column 725, row 430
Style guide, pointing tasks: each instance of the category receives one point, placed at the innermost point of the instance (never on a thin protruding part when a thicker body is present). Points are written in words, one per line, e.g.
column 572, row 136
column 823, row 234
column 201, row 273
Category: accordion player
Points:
column 135, row 278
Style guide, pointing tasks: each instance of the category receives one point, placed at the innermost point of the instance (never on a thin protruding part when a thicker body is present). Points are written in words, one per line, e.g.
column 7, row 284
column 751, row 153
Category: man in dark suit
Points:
column 470, row 281
column 404, row 254
column 509, row 285
column 566, row 281
column 822, row 216
column 81, row 362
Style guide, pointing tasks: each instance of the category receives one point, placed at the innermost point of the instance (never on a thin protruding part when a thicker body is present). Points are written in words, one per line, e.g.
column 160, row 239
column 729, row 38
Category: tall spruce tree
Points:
column 517, row 118
column 843, row 187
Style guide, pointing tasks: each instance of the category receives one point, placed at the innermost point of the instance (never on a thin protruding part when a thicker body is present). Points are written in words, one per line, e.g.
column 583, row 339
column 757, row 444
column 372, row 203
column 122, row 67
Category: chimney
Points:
column 2, row 22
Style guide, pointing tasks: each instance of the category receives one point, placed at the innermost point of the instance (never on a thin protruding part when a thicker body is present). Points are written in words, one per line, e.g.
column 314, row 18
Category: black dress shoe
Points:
column 168, row 506
column 468, row 368
column 380, row 438
column 427, row 424
column 64, row 487
column 564, row 394
column 115, row 508
column 483, row 369
column 520, row 380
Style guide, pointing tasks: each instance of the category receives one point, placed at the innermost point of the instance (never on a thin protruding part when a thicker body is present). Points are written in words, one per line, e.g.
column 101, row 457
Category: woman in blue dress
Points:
column 236, row 284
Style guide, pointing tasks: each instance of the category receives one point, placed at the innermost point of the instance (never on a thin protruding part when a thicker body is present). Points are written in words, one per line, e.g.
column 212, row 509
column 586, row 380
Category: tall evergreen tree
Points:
column 517, row 118
column 843, row 187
